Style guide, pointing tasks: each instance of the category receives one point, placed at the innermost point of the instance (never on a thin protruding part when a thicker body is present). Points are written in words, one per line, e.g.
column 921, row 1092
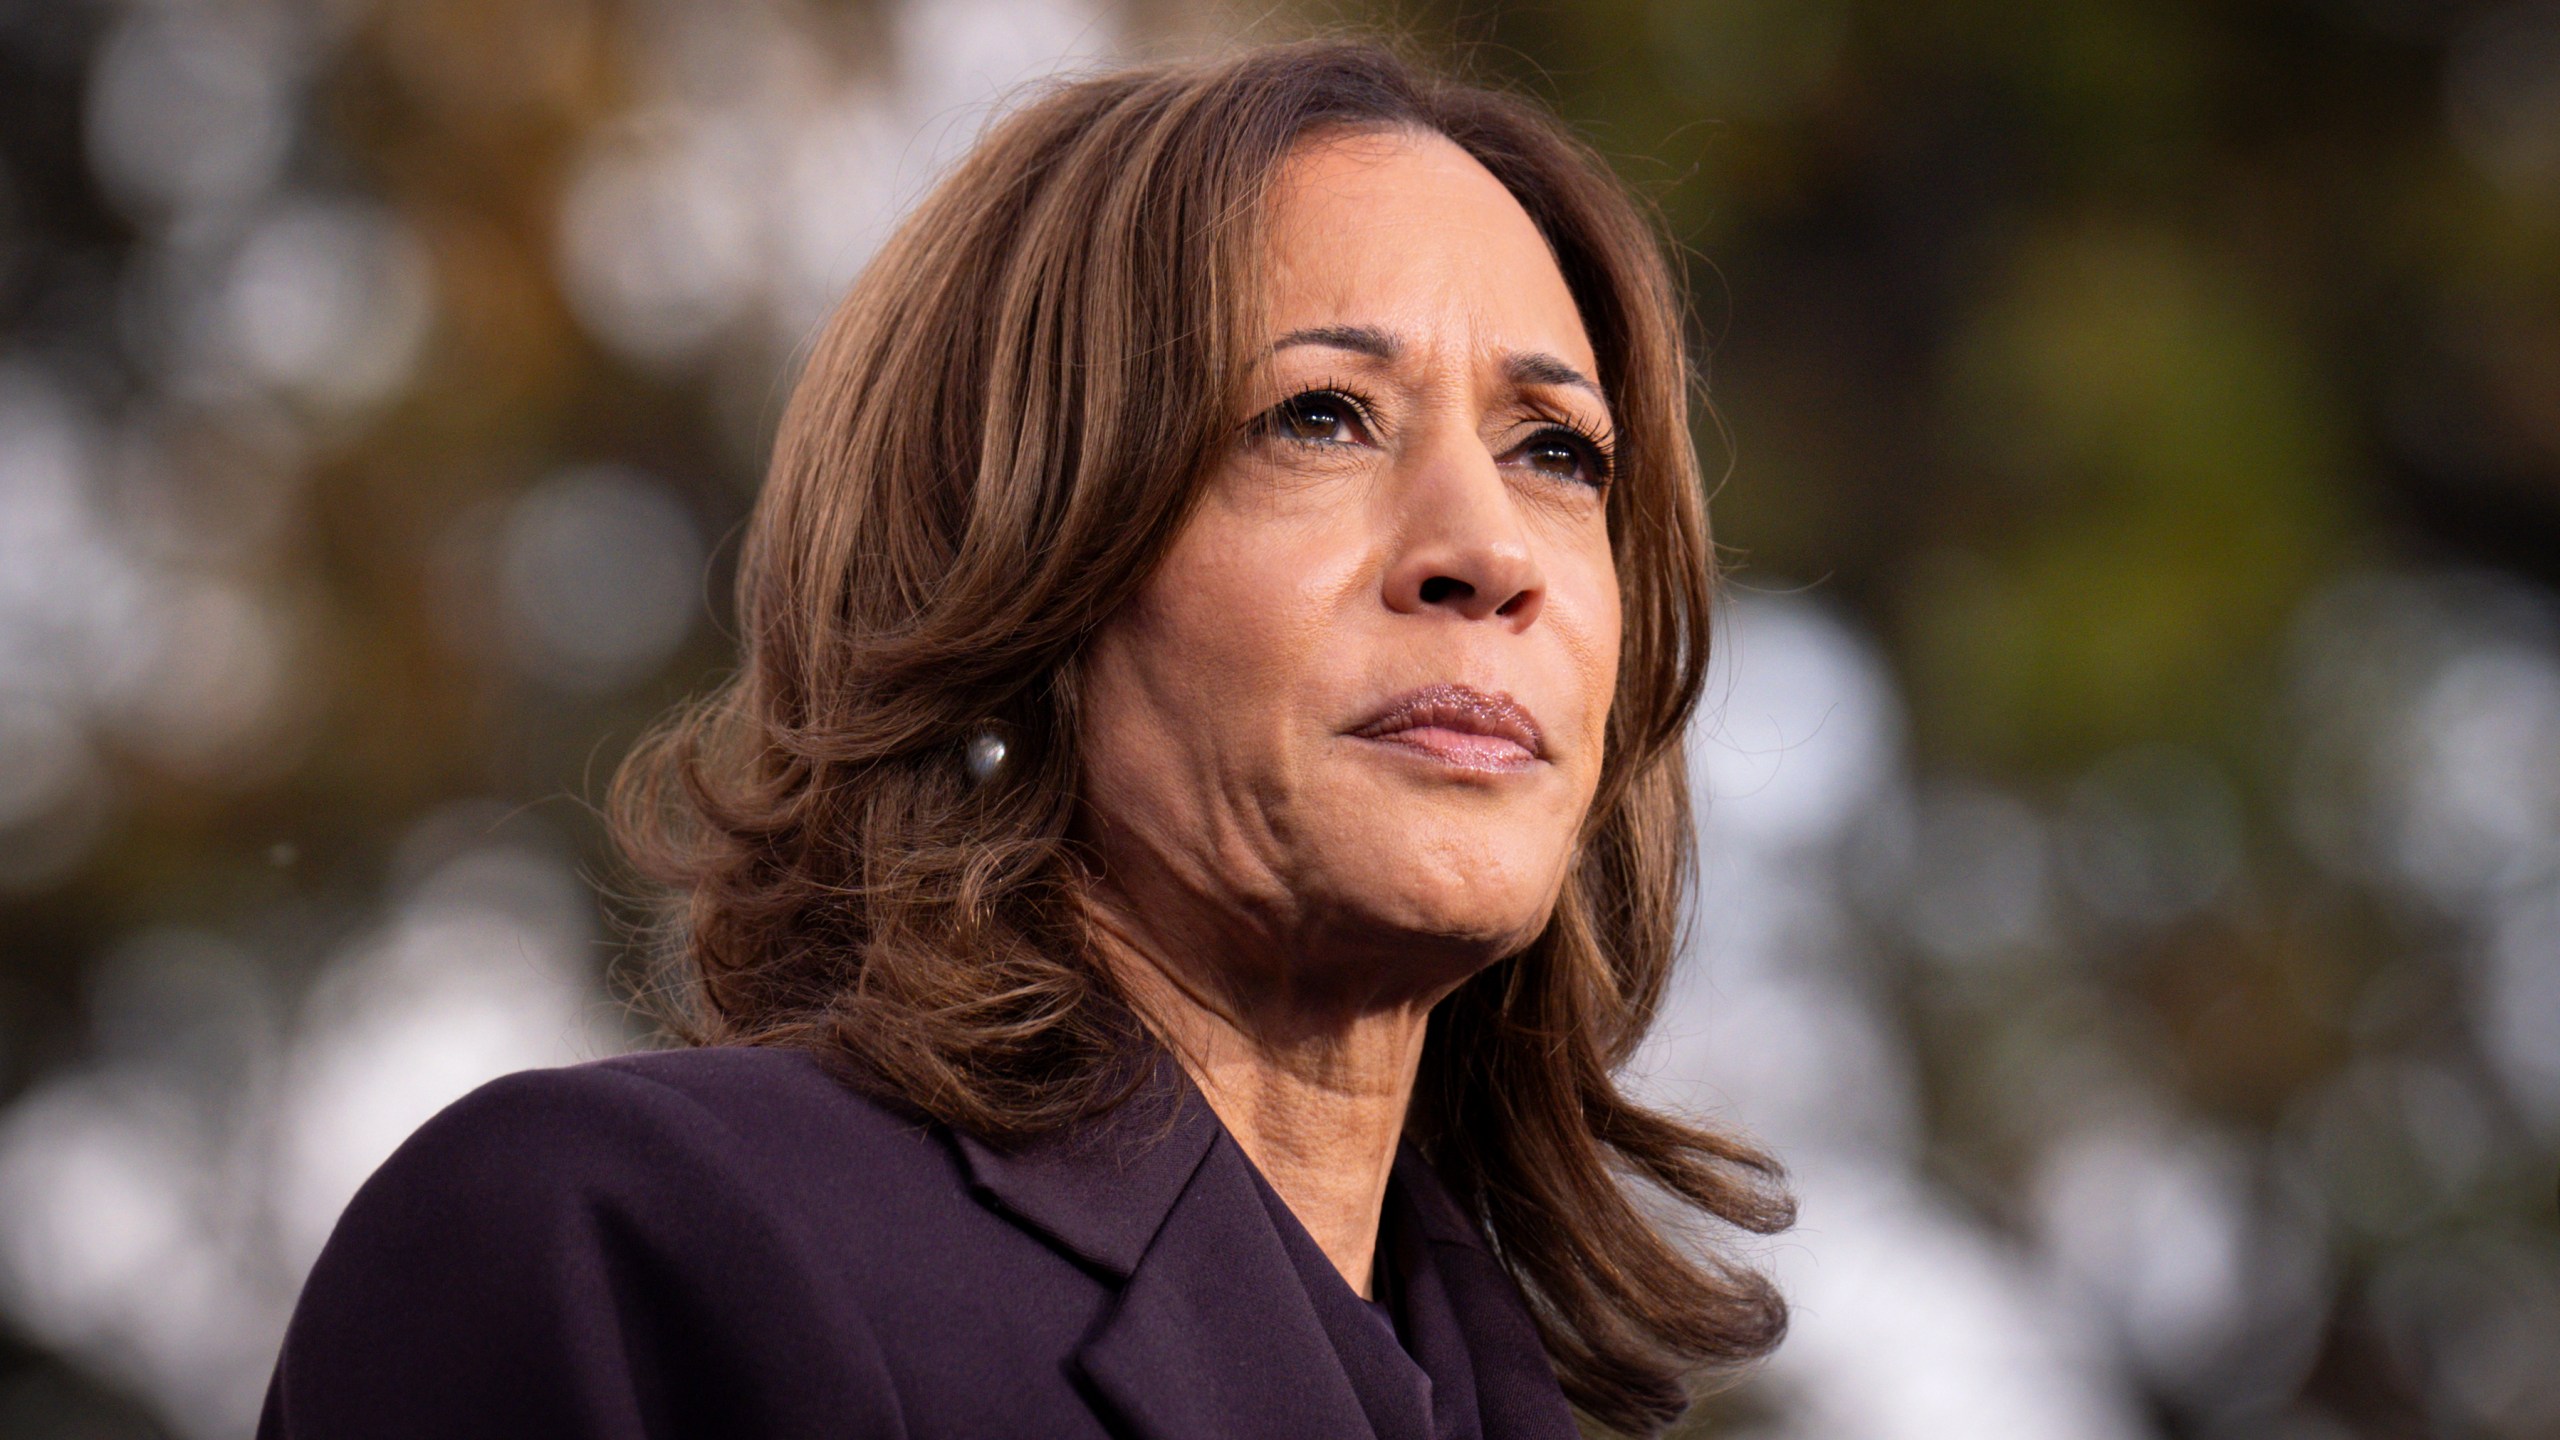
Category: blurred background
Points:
column 2132, row 896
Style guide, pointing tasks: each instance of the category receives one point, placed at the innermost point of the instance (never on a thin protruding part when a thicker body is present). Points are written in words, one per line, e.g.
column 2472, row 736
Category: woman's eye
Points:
column 1317, row 417
column 1565, row 456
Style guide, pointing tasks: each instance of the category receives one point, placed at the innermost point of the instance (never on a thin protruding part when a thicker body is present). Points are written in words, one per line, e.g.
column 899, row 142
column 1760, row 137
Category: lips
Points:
column 1461, row 726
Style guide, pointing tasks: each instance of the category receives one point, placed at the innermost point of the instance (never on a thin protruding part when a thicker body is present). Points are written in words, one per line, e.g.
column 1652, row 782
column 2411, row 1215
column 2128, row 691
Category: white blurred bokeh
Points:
column 160, row 1204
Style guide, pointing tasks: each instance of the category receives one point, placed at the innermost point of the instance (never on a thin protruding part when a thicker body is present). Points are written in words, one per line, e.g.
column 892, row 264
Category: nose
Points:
column 1465, row 550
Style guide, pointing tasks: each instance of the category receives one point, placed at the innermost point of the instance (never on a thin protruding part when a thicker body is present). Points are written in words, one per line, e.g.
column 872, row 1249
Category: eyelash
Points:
column 1599, row 450
column 1268, row 422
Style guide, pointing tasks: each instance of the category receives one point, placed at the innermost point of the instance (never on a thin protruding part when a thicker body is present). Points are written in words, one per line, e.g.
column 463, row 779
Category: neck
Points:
column 1315, row 1092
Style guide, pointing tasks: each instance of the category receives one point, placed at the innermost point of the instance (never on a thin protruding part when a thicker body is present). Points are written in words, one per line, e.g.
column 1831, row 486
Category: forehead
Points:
column 1409, row 233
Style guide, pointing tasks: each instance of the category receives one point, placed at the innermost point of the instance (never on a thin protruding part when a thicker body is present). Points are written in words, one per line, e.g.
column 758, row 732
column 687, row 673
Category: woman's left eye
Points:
column 1565, row 455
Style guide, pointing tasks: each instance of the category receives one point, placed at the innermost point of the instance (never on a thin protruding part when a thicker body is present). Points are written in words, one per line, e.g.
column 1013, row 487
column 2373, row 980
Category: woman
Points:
column 1200, row 818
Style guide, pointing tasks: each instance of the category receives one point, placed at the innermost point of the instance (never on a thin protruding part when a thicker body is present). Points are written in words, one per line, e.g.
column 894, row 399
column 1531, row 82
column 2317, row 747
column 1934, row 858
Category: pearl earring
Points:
column 986, row 756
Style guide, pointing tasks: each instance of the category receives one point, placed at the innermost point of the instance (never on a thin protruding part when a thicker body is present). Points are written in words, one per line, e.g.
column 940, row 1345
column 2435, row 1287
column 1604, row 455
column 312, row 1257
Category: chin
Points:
column 1474, row 902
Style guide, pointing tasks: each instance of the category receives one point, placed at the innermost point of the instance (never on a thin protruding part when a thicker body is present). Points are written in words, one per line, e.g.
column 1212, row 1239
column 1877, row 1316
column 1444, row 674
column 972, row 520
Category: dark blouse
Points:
column 730, row 1242
column 1402, row 1352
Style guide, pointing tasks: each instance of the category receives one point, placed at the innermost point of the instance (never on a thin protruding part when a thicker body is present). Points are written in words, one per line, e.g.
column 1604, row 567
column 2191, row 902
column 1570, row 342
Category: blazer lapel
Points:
column 1468, row 1315
column 1212, row 1336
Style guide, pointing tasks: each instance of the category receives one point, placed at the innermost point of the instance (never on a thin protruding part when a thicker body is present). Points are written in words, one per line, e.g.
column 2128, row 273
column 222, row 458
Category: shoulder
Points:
column 734, row 1088
column 676, row 1138
column 755, row 1108
column 575, row 1251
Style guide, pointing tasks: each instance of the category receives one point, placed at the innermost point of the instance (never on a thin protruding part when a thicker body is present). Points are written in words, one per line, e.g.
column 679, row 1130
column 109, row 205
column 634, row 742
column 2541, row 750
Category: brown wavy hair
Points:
column 996, row 437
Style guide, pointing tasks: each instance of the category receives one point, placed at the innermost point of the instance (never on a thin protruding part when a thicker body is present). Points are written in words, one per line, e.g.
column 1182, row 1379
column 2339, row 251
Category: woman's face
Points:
column 1344, row 739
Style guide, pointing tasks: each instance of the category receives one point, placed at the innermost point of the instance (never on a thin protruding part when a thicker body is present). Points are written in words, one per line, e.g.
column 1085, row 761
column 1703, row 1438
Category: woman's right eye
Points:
column 1318, row 417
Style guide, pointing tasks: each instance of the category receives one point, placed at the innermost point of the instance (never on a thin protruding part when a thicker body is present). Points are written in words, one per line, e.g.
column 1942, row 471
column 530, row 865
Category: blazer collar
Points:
column 1102, row 1191
column 1212, row 1336
column 1468, row 1315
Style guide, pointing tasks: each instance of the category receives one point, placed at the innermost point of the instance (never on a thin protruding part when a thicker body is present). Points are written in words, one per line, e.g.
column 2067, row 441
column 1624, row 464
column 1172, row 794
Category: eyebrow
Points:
column 1529, row 367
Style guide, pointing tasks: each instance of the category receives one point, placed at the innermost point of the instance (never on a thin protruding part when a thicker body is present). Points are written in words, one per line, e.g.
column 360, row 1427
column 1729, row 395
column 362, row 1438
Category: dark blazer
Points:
column 730, row 1242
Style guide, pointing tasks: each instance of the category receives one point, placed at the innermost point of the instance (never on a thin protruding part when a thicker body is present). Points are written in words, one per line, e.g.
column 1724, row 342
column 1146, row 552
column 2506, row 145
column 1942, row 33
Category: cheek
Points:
column 1589, row 626
column 1144, row 783
column 1216, row 625
column 1188, row 686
